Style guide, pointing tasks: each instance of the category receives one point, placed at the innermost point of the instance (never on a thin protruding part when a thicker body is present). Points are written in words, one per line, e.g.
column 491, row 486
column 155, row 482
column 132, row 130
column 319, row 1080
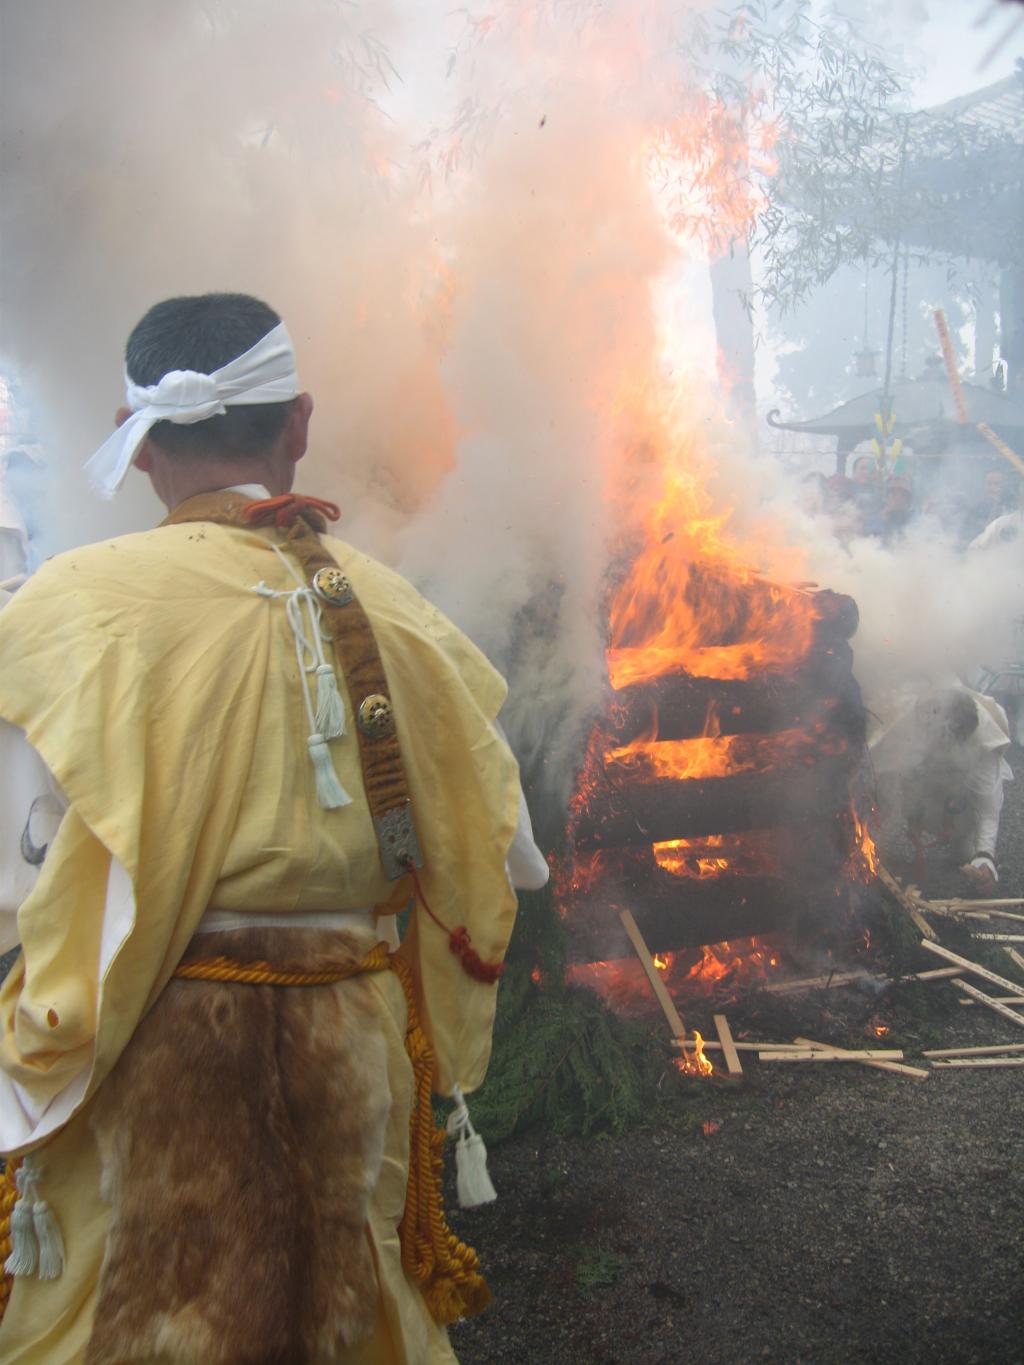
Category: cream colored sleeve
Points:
column 31, row 806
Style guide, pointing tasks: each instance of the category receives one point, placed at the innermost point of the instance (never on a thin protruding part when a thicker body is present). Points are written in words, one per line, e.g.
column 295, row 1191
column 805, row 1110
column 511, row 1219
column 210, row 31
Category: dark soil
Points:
column 810, row 1213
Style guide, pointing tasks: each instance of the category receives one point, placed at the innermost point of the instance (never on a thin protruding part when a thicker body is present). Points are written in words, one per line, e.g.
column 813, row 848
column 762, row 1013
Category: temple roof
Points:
column 926, row 417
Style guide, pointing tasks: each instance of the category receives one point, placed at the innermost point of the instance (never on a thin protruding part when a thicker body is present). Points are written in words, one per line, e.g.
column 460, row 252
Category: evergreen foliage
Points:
column 561, row 1059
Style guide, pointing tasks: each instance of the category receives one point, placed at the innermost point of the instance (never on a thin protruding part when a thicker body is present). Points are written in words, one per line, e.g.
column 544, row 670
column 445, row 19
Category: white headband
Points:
column 264, row 374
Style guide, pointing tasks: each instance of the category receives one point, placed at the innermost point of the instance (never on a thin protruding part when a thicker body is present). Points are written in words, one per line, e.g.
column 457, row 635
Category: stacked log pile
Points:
column 811, row 726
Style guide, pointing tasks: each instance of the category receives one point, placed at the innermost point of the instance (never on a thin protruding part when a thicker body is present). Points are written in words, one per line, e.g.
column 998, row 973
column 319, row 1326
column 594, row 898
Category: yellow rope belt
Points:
column 8, row 1199
column 445, row 1270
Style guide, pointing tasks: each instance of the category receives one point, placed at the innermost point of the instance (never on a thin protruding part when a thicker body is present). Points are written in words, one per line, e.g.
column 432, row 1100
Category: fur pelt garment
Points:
column 241, row 1135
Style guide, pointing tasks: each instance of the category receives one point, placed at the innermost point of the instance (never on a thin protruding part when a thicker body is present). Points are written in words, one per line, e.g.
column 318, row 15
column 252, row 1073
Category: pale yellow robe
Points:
column 162, row 692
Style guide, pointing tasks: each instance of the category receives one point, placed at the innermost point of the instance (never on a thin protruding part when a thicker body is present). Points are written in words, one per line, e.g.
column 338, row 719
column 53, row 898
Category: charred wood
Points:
column 633, row 813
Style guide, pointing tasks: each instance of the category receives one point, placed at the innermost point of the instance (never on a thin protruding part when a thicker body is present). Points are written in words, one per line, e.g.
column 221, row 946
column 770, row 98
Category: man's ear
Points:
column 296, row 433
column 121, row 416
column 144, row 457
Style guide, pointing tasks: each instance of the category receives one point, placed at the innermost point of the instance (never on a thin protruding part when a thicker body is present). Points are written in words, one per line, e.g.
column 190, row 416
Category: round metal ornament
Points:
column 330, row 584
column 376, row 716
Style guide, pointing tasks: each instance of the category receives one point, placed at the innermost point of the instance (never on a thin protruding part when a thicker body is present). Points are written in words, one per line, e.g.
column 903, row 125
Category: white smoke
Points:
column 455, row 218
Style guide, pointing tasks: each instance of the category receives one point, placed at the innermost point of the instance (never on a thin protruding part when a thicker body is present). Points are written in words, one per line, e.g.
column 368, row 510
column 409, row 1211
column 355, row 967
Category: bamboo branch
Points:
column 1016, row 958
column 1003, row 1000
column 1002, row 938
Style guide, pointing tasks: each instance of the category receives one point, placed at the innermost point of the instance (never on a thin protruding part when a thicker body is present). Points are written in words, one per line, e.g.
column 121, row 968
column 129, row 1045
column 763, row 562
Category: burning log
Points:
column 673, row 912
column 658, row 810
column 682, row 707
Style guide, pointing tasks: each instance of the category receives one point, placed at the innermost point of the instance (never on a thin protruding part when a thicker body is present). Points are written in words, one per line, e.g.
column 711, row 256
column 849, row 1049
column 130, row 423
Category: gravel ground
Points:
column 820, row 1213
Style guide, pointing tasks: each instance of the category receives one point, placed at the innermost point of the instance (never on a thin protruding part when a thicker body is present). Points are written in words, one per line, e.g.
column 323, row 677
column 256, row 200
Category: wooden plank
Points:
column 963, row 903
column 828, row 1054
column 973, row 1051
column 897, row 1068
column 1008, row 987
column 662, row 996
column 740, row 1047
column 982, row 1061
column 729, row 1052
column 992, row 1003
column 908, row 902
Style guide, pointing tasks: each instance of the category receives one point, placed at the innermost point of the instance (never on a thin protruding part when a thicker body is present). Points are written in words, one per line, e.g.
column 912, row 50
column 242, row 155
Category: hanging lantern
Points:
column 866, row 361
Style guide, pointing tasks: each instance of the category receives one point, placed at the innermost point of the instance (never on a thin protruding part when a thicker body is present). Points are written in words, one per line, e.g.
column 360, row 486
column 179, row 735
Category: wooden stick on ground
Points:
column 974, row 1051
column 729, row 1052
column 1016, row 958
column 821, row 1053
column 962, row 903
column 1002, row 938
column 688, row 1044
column 981, row 1061
column 1008, row 987
column 898, row 1068
column 992, row 1003
column 1003, row 1000
column 907, row 902
column 936, row 974
column 809, row 983
column 666, row 1002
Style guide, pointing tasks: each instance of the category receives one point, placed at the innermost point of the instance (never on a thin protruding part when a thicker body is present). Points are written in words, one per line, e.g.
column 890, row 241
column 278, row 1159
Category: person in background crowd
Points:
column 948, row 751
column 998, row 498
column 897, row 509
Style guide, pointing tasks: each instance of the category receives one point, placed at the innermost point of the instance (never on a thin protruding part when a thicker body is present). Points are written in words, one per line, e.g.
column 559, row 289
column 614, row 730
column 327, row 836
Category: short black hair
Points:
column 202, row 332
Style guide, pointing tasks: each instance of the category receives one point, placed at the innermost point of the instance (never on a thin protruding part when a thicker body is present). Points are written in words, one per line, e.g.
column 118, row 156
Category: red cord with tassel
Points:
column 460, row 943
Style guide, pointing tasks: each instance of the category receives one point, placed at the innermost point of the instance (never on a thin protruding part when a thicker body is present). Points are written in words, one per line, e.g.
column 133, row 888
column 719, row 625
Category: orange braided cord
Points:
column 955, row 387
column 283, row 510
column 446, row 1271
column 262, row 974
column 8, row 1199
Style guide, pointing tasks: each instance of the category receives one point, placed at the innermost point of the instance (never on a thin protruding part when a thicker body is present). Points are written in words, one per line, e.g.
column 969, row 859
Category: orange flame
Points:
column 694, row 1063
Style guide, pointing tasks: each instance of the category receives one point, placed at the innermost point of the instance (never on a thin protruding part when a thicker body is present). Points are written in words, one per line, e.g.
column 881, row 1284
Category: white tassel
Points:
column 329, row 791
column 472, row 1181
column 330, row 711
column 51, row 1243
column 24, row 1248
